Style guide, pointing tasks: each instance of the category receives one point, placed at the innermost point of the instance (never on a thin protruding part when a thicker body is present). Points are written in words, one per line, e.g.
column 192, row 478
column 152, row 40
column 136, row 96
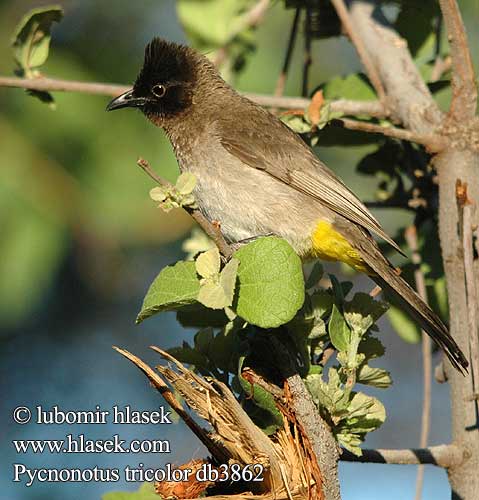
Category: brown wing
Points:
column 263, row 142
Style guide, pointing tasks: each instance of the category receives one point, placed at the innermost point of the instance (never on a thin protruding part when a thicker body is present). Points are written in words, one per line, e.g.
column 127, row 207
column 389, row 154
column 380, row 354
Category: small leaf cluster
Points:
column 177, row 196
column 328, row 322
column 258, row 290
column 263, row 284
column 31, row 44
column 242, row 306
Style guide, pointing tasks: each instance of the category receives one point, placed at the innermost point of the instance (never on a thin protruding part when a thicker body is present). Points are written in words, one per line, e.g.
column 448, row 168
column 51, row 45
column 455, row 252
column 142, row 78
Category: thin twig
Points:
column 411, row 239
column 375, row 291
column 473, row 323
column 212, row 230
column 348, row 107
column 281, row 82
column 54, row 84
column 252, row 17
column 440, row 65
column 433, row 142
column 307, row 53
column 443, row 455
column 466, row 207
column 363, row 53
column 464, row 90
column 371, row 108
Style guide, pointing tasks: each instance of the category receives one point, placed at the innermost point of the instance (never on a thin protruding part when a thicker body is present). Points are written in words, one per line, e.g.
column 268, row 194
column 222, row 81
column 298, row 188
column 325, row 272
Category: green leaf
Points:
column 208, row 263
column 350, row 441
column 225, row 348
column 31, row 41
column 371, row 347
column 405, row 327
column 271, row 284
column 338, row 289
column 365, row 414
column 263, row 419
column 415, row 22
column 376, row 377
column 362, row 312
column 217, row 292
column 354, row 86
column 213, row 25
column 174, row 287
column 203, row 340
column 314, row 276
column 31, row 44
column 186, row 183
column 192, row 356
column 339, row 331
column 321, row 303
column 158, row 193
column 145, row 492
column 198, row 316
column 261, row 398
column 196, row 243
column 211, row 22
column 296, row 123
column 228, row 279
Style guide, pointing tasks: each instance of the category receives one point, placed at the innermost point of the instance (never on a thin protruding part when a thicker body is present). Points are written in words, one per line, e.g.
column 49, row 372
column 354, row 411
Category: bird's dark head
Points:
column 167, row 82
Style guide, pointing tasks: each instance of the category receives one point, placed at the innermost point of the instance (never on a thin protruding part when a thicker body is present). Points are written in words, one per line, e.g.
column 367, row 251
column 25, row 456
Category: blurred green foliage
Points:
column 68, row 182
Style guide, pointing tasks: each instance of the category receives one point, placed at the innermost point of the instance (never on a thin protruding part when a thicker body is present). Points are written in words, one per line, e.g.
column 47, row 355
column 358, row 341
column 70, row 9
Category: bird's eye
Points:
column 159, row 90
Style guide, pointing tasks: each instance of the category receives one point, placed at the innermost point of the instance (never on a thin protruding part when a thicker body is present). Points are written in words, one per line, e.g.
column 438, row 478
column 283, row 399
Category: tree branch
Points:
column 212, row 230
column 348, row 107
column 314, row 426
column 54, row 84
column 464, row 90
column 363, row 53
column 410, row 102
column 408, row 97
column 432, row 142
column 444, row 455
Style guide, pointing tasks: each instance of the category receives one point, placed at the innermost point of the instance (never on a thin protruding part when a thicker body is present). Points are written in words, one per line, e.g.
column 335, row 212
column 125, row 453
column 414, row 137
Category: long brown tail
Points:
column 388, row 279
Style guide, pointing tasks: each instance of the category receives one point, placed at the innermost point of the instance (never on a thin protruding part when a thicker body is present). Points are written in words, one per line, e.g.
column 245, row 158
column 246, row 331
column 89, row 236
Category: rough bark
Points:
column 410, row 101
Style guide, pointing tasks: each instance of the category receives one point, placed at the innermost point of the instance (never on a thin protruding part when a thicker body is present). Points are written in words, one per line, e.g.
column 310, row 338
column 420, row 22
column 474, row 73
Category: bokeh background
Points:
column 81, row 241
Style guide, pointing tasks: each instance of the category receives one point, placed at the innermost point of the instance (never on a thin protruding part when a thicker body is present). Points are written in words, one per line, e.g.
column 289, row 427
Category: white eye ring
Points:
column 159, row 90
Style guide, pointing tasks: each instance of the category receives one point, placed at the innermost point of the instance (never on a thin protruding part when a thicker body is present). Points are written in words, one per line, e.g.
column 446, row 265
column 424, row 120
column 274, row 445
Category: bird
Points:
column 257, row 177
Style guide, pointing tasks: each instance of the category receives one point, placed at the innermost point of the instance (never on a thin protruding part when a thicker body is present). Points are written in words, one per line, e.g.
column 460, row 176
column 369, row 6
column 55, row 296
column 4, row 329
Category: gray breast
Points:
column 248, row 202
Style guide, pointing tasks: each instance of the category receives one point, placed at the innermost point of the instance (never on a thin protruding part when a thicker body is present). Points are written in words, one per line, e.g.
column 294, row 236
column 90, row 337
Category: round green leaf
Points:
column 271, row 284
column 174, row 287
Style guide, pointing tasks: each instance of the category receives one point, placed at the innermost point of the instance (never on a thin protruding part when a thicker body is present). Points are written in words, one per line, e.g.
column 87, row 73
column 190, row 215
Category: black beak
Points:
column 126, row 100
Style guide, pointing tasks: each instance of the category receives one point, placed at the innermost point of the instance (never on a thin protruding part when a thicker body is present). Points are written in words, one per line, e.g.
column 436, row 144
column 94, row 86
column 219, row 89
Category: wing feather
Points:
column 282, row 154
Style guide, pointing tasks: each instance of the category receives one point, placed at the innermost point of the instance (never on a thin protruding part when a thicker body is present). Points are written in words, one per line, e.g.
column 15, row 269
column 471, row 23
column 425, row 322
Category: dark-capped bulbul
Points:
column 255, row 176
